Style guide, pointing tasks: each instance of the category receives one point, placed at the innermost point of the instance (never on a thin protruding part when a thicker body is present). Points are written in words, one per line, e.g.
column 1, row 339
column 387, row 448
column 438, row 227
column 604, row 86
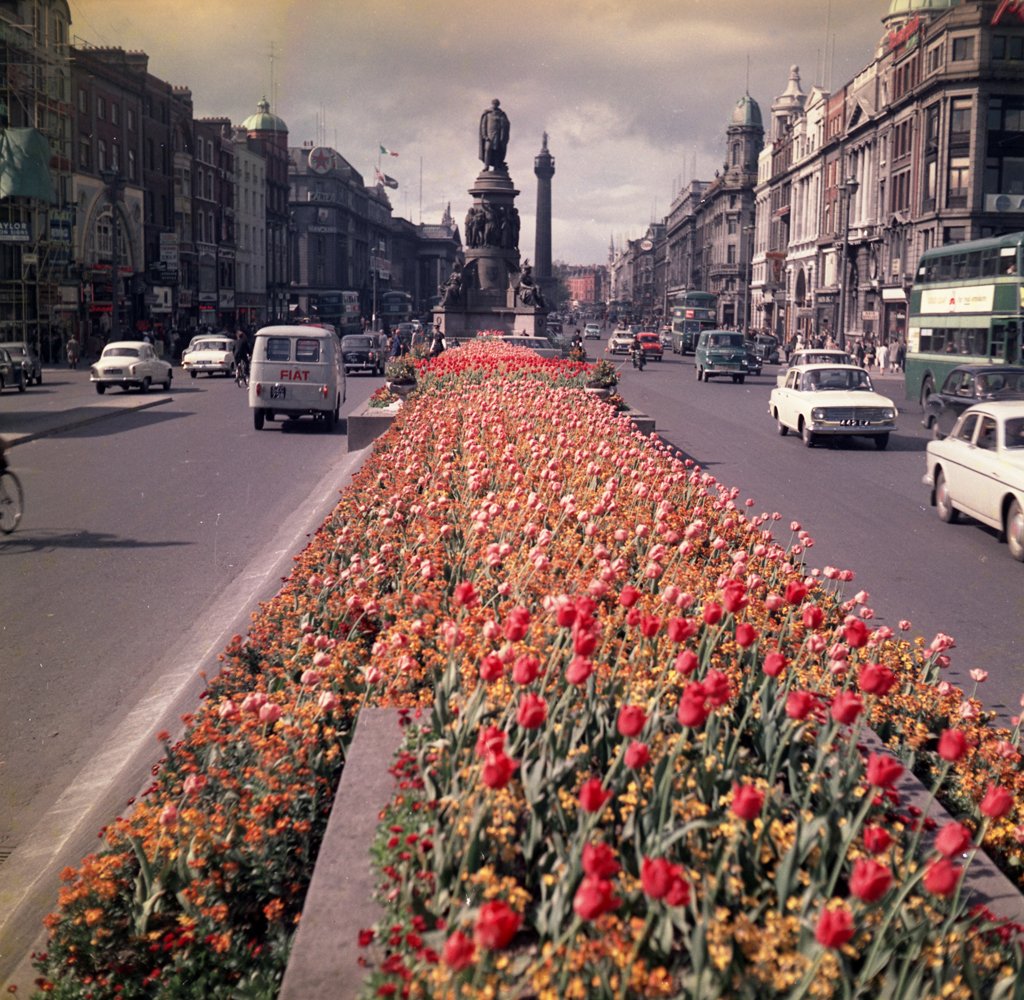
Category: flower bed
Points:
column 641, row 775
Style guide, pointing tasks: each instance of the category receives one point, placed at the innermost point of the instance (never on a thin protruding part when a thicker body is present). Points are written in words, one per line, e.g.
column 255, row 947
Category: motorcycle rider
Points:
column 636, row 349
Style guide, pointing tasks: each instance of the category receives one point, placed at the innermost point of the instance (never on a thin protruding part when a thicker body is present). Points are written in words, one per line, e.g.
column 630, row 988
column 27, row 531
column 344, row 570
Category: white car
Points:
column 814, row 356
column 978, row 469
column 620, row 342
column 592, row 331
column 210, row 355
column 129, row 363
column 818, row 401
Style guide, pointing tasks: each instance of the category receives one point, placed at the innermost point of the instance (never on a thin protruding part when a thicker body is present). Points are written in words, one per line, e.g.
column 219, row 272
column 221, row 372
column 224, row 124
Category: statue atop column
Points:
column 494, row 137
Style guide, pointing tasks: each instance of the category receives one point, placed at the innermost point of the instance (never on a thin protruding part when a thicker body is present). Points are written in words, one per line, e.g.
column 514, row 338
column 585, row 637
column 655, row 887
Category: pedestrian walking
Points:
column 72, row 351
column 899, row 356
column 397, row 347
column 882, row 358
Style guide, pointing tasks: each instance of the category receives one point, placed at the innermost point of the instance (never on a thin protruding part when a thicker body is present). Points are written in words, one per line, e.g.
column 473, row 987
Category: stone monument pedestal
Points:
column 492, row 290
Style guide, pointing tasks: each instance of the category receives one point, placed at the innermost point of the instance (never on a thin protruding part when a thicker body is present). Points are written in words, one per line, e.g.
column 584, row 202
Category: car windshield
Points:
column 357, row 343
column 120, row 352
column 212, row 345
column 17, row 352
column 726, row 340
column 836, row 378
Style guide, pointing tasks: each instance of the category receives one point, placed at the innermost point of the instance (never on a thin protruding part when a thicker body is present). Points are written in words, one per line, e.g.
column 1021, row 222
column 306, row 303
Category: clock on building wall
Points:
column 646, row 245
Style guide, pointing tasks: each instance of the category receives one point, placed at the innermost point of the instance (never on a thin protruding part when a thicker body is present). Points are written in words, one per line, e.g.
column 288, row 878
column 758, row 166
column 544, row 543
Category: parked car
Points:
column 966, row 385
column 651, row 343
column 592, row 331
column 814, row 356
column 765, row 348
column 818, row 401
column 129, row 363
column 978, row 470
column 212, row 355
column 362, row 353
column 31, row 367
column 620, row 342
column 11, row 373
column 721, row 352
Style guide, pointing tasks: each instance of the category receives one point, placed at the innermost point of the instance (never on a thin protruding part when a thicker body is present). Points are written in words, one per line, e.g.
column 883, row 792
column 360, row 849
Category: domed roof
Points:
column 746, row 112
column 263, row 120
column 904, row 8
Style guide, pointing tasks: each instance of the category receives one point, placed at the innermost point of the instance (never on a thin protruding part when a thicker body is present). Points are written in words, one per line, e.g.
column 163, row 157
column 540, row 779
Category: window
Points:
column 1008, row 47
column 101, row 155
column 130, row 118
column 963, row 48
column 84, row 154
column 115, row 114
column 101, row 108
column 307, row 349
column 959, row 181
column 279, row 349
column 959, row 118
column 935, row 58
column 132, row 169
column 730, row 253
column 83, row 101
column 954, row 234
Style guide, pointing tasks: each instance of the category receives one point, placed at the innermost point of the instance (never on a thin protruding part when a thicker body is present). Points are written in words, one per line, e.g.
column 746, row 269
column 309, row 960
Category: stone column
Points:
column 544, row 168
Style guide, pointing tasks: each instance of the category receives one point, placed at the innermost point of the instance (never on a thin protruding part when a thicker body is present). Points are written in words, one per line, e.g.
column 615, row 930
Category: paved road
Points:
column 148, row 537
column 867, row 511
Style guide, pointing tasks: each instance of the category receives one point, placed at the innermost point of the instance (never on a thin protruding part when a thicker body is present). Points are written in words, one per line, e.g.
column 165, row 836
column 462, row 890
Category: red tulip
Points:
column 650, row 626
column 687, row 662
column 875, row 678
column 628, row 596
column 774, row 664
column 490, row 739
column 941, row 877
column 593, row 796
column 631, row 721
column 746, row 635
column 594, row 897
column 747, row 801
column 465, row 595
column 953, row 745
column 496, row 925
column 458, row 952
column 516, row 624
column 526, row 669
column 498, row 769
column 680, row 629
column 877, row 839
column 855, row 632
column 717, row 687
column 532, row 711
column 637, row 755
column 883, row 770
column 799, row 704
column 813, row 616
column 835, row 927
column 953, row 839
column 796, row 591
column 693, row 707
column 846, row 706
column 712, row 613
column 491, row 667
column 869, row 880
column 579, row 669
column 998, row 801
column 599, row 860
column 734, row 596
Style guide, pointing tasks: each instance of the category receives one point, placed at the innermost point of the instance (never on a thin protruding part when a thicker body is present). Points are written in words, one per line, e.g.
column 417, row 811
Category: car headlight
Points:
column 889, row 414
column 817, row 413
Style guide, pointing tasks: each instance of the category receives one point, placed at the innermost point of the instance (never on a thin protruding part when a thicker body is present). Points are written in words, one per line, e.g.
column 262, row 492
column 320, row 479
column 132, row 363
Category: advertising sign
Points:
column 968, row 299
column 14, row 232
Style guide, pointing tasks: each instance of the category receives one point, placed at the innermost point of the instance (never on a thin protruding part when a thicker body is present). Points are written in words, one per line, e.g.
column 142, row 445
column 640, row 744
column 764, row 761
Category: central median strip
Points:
column 643, row 769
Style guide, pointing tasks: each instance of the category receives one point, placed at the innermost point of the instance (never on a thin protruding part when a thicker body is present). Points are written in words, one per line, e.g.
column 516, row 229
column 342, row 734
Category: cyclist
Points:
column 242, row 352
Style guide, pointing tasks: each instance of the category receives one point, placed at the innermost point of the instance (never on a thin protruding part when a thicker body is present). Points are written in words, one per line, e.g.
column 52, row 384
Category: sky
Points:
column 635, row 95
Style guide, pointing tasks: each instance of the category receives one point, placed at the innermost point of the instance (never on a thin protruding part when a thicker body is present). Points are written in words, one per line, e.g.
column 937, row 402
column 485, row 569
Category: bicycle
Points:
column 12, row 496
column 242, row 372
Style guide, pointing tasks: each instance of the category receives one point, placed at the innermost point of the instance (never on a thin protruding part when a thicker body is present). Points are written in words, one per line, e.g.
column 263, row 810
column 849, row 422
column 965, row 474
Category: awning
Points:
column 894, row 295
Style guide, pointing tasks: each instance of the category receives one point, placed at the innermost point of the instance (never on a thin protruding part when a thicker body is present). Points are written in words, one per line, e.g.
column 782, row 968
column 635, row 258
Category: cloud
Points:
column 631, row 93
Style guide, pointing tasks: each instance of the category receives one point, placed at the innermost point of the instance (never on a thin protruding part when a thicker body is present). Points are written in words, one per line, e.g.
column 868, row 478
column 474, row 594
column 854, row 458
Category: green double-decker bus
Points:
column 692, row 312
column 965, row 308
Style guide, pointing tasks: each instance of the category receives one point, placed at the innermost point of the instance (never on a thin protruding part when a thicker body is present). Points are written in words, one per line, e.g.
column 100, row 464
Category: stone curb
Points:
column 80, row 416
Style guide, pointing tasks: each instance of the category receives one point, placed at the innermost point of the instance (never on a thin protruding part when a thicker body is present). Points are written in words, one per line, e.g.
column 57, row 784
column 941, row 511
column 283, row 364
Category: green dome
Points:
column 746, row 112
column 263, row 120
column 904, row 8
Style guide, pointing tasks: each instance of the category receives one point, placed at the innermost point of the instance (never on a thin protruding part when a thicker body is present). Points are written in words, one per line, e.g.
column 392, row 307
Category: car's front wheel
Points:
column 194, row 374
column 943, row 502
column 882, row 441
column 807, row 435
column 101, row 388
column 1015, row 530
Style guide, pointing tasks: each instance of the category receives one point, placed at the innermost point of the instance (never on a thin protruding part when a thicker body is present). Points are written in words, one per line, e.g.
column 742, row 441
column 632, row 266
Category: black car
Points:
column 23, row 354
column 765, row 347
column 11, row 372
column 362, row 353
column 966, row 385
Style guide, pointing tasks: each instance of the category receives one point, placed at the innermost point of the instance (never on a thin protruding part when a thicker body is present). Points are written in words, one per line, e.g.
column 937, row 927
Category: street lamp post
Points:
column 747, row 250
column 377, row 249
column 848, row 189
column 115, row 186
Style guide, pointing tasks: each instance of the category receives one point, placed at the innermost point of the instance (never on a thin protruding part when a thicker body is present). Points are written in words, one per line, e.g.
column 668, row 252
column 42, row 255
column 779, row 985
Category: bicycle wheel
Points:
column 12, row 501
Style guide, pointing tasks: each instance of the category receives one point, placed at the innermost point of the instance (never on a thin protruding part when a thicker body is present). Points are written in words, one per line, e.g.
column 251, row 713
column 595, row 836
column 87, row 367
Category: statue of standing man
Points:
column 494, row 137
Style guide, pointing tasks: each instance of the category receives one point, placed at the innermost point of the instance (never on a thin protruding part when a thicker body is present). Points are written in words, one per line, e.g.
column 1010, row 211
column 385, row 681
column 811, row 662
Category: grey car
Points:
column 10, row 372
column 31, row 367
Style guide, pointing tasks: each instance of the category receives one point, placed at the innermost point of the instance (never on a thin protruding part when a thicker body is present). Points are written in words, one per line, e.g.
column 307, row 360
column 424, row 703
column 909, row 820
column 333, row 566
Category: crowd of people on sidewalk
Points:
column 882, row 357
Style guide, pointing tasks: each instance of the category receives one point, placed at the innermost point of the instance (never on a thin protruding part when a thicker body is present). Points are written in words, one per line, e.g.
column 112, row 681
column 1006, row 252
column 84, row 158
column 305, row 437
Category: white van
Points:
column 296, row 370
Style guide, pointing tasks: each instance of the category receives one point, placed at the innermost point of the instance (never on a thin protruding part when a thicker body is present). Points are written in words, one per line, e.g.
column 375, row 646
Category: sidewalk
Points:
column 66, row 399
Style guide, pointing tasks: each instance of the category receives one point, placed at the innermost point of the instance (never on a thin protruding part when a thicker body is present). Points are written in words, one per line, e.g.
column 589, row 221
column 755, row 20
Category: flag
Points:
column 384, row 151
column 385, row 180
